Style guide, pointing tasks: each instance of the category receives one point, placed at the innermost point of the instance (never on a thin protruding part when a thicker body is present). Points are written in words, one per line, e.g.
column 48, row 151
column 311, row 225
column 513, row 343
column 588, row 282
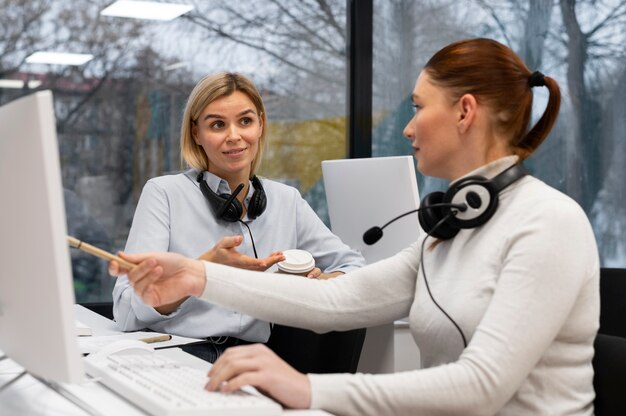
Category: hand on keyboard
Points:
column 258, row 366
column 164, row 386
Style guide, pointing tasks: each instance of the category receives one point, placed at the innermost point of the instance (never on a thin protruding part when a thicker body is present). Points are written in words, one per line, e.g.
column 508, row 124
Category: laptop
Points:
column 362, row 193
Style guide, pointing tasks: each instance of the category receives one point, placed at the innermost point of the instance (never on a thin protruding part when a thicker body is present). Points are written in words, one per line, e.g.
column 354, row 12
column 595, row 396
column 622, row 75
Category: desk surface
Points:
column 29, row 397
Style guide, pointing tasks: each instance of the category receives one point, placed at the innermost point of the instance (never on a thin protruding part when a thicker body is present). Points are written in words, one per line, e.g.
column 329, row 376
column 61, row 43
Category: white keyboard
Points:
column 163, row 386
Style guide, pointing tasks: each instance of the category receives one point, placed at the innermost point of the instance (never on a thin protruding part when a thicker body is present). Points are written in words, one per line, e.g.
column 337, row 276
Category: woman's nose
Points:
column 233, row 133
column 408, row 131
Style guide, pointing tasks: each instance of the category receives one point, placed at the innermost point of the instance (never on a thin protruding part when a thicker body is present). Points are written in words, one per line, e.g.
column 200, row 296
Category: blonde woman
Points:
column 220, row 202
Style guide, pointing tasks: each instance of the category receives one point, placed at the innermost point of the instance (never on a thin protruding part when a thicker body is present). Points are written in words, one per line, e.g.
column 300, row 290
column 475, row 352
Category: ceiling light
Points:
column 148, row 10
column 58, row 58
column 176, row 65
column 18, row 83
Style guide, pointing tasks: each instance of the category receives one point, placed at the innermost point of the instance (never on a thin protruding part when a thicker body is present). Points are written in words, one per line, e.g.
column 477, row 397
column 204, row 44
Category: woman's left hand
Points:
column 225, row 252
column 256, row 365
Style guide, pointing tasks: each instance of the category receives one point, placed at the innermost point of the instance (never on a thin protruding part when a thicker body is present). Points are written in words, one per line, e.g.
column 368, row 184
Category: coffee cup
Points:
column 299, row 262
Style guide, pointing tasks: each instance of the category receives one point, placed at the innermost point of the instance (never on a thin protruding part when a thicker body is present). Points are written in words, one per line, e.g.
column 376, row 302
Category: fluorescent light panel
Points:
column 58, row 58
column 147, row 10
column 176, row 65
column 17, row 83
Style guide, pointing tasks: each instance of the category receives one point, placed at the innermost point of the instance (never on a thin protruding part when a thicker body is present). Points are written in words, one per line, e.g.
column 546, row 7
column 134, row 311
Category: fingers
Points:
column 225, row 366
column 144, row 287
column 229, row 242
column 134, row 258
column 114, row 268
column 252, row 378
column 266, row 263
column 258, row 366
column 315, row 273
column 277, row 255
column 141, row 279
column 235, row 368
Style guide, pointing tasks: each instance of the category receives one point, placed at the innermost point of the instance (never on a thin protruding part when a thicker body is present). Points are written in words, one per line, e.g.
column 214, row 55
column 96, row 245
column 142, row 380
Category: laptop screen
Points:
column 363, row 193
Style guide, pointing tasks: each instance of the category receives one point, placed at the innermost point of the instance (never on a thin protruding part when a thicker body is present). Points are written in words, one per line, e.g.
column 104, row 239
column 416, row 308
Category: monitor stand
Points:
column 62, row 391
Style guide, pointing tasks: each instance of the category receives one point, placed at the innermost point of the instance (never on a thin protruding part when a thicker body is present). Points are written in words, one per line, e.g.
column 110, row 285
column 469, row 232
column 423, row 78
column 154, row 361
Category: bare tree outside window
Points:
column 118, row 115
column 581, row 43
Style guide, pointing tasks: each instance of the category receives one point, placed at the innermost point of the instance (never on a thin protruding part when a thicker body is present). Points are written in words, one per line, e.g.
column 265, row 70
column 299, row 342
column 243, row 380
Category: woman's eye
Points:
column 415, row 108
column 217, row 124
column 246, row 121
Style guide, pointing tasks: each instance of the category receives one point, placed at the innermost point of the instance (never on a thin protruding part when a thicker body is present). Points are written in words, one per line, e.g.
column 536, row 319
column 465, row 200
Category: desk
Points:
column 29, row 397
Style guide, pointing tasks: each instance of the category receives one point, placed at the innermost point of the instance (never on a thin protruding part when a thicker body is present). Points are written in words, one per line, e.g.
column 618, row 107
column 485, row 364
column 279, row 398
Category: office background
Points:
column 336, row 77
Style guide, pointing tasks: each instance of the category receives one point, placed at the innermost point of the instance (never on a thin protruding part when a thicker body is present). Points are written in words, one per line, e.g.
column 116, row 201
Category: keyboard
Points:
column 164, row 386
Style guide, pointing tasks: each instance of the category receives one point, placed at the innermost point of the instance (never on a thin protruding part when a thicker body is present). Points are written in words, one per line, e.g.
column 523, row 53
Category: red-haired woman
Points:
column 501, row 289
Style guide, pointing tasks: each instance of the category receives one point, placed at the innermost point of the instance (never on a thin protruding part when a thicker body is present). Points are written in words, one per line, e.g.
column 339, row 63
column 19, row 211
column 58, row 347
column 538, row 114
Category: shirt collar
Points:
column 492, row 169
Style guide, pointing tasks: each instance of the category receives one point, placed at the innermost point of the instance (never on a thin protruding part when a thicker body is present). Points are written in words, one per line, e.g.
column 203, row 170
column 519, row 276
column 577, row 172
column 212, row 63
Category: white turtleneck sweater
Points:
column 523, row 288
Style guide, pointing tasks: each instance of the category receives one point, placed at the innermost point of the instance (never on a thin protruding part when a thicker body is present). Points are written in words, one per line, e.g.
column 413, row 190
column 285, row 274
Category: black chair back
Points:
column 609, row 361
column 308, row 352
column 613, row 302
column 609, row 380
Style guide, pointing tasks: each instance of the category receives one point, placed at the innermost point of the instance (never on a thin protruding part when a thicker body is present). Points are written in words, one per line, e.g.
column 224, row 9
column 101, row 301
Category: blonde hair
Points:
column 207, row 90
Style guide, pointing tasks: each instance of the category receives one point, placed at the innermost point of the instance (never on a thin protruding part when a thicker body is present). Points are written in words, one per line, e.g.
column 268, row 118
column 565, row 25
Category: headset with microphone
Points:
column 227, row 207
column 468, row 203
column 375, row 233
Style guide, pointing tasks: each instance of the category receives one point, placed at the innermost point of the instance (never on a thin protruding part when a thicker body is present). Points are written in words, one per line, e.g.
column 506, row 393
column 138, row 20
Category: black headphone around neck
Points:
column 227, row 207
column 479, row 194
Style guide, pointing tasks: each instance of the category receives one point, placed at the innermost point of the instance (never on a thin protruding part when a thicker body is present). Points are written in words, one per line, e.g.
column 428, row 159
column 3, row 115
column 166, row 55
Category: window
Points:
column 579, row 43
column 119, row 114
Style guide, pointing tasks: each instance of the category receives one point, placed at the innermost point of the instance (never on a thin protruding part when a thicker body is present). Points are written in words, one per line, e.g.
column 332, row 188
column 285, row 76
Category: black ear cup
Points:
column 258, row 202
column 429, row 218
column 228, row 211
column 478, row 194
column 228, row 208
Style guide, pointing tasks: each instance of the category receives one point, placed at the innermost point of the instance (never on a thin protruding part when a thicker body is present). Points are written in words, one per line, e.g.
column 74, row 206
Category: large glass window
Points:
column 580, row 43
column 119, row 114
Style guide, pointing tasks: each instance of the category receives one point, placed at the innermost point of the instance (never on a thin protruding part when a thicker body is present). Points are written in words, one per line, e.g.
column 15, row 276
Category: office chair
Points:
column 609, row 380
column 612, row 304
column 308, row 352
column 609, row 361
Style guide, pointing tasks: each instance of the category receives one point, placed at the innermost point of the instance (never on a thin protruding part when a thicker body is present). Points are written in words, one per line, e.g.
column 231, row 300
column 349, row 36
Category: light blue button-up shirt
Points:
column 173, row 215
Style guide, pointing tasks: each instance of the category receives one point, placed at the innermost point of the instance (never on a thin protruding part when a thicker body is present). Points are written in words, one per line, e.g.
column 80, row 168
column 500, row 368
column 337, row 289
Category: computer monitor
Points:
column 37, row 325
column 362, row 193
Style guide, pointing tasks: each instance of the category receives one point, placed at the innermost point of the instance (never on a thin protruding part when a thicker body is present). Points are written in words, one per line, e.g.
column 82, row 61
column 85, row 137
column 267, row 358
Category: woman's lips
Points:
column 233, row 152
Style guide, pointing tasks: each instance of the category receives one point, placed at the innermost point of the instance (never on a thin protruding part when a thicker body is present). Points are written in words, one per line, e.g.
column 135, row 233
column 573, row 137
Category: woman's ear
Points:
column 194, row 133
column 467, row 112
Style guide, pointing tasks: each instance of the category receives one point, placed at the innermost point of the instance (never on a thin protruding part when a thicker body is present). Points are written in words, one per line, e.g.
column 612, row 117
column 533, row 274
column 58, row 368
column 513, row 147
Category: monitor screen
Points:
column 363, row 193
column 37, row 325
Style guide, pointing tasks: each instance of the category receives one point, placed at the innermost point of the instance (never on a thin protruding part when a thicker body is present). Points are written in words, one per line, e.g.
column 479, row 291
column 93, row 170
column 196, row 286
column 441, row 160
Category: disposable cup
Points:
column 296, row 262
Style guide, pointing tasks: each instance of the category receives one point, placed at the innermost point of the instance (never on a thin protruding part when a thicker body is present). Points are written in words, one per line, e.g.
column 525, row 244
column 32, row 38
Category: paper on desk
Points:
column 89, row 345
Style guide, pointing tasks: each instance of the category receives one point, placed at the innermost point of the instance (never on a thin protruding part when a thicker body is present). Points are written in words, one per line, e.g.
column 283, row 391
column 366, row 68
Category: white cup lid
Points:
column 297, row 261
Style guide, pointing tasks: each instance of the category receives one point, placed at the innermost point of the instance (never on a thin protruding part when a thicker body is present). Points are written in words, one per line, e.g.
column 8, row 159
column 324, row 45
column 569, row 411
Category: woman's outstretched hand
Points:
column 256, row 365
column 162, row 278
column 224, row 252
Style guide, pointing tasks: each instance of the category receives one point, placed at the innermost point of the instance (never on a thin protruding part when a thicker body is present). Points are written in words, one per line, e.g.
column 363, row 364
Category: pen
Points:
column 76, row 243
column 158, row 338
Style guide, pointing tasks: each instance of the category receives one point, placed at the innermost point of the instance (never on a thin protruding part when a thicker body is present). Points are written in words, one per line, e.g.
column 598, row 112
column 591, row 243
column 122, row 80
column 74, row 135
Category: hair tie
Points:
column 536, row 79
